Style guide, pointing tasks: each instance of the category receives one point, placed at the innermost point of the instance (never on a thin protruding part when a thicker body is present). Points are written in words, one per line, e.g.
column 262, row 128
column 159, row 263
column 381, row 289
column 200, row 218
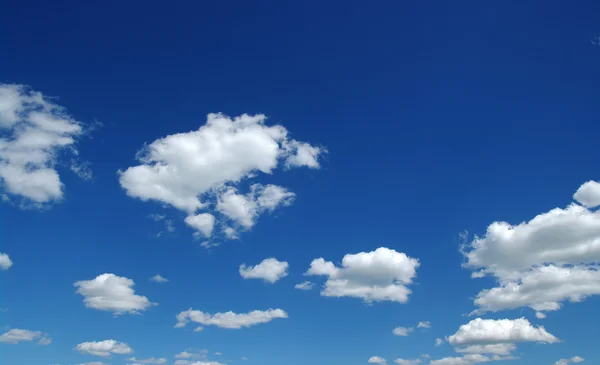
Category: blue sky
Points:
column 386, row 153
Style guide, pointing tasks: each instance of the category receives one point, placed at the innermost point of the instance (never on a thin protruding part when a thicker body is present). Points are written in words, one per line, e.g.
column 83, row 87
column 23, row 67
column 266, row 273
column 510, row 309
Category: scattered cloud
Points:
column 490, row 331
column 5, row 261
column 37, row 133
column 269, row 270
column 112, row 293
column 150, row 360
column 408, row 362
column 230, row 320
column 16, row 335
column 377, row 360
column 543, row 262
column 402, row 331
column 104, row 348
column 439, row 341
column 169, row 225
column 424, row 324
column 200, row 170
column 380, row 275
column 204, row 223
column 159, row 279
column 306, row 285
column 44, row 341
column 574, row 359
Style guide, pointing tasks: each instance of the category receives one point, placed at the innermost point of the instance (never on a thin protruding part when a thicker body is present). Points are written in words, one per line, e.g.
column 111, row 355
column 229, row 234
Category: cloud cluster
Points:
column 543, row 262
column 16, row 335
column 104, row 348
column 380, row 275
column 485, row 340
column 112, row 293
column 35, row 131
column 269, row 270
column 200, row 170
column 230, row 320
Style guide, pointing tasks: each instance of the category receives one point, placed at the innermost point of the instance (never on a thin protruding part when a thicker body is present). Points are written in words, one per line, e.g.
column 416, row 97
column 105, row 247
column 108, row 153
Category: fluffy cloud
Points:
column 269, row 270
column 402, row 331
column 229, row 319
column 489, row 331
column 36, row 132
column 112, row 293
column 159, row 279
column 306, row 285
column 465, row 360
column 203, row 223
column 15, row 335
column 5, row 261
column 104, row 348
column 424, row 324
column 380, row 275
column 150, row 360
column 574, row 359
column 439, row 341
column 496, row 349
column 377, row 360
column 588, row 194
column 190, row 171
column 540, row 263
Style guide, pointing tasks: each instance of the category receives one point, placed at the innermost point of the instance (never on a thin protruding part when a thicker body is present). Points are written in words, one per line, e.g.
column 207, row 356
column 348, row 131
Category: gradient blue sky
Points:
column 438, row 118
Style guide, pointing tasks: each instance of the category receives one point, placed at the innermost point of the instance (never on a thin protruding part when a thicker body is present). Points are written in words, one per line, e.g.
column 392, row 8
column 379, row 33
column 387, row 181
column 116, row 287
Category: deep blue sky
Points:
column 439, row 117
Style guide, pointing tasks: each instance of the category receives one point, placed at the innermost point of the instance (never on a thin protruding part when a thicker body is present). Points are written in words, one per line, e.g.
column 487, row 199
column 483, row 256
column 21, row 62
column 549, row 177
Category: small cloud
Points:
column 402, row 331
column 159, row 279
column 307, row 285
column 439, row 342
column 424, row 324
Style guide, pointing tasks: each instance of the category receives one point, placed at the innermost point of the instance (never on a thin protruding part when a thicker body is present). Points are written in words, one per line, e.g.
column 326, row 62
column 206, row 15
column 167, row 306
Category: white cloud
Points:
column 203, row 223
column 189, row 355
column 150, row 360
column 44, row 341
column 377, row 360
column 489, row 331
column 16, row 335
column 588, row 194
column 574, row 359
column 380, row 275
column 424, row 324
column 36, row 131
column 168, row 222
column 540, row 315
column 190, row 171
column 5, row 261
column 229, row 319
column 408, row 362
column 465, row 360
column 496, row 349
column 439, row 341
column 402, row 331
column 159, row 279
column 269, row 270
column 112, row 293
column 306, row 285
column 104, row 348
column 540, row 263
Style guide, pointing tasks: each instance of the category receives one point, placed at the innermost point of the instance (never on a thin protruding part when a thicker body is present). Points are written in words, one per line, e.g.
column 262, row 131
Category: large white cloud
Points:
column 230, row 319
column 104, row 348
column 5, row 261
column 540, row 263
column 34, row 132
column 16, row 335
column 199, row 170
column 380, row 275
column 109, row 292
column 495, row 331
column 269, row 270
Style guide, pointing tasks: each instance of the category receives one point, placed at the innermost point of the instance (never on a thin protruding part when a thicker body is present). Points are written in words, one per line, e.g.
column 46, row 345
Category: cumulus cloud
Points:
column 588, row 194
column 470, row 359
column 159, row 279
column 540, row 263
column 574, row 359
column 203, row 223
column 150, row 360
column 408, row 362
column 200, row 170
column 36, row 132
column 16, row 335
column 5, row 261
column 402, row 331
column 491, row 331
column 230, row 319
column 377, row 360
column 269, row 270
column 109, row 292
column 496, row 349
column 104, row 348
column 306, row 285
column 380, row 275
